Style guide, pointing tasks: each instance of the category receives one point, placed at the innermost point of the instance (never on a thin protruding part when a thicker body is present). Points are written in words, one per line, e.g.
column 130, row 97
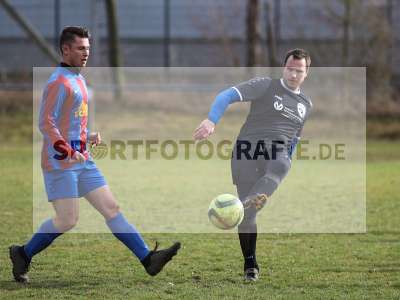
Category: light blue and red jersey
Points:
column 63, row 120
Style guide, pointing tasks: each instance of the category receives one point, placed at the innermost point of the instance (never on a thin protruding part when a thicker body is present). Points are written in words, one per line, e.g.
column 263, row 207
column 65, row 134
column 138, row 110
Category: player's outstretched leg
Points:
column 248, row 241
column 247, row 232
column 66, row 218
column 248, row 235
column 21, row 256
column 266, row 185
column 255, row 199
column 153, row 261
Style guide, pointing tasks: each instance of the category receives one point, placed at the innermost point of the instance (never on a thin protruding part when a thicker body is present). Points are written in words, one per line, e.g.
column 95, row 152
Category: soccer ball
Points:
column 226, row 211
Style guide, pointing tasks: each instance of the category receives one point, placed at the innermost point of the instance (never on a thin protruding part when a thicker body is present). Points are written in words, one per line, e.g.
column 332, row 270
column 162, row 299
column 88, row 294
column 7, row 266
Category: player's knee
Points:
column 267, row 184
column 112, row 211
column 278, row 170
column 66, row 223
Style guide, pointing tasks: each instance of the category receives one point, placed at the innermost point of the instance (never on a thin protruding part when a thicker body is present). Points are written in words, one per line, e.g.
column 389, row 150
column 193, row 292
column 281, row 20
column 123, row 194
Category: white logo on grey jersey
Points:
column 301, row 109
column 278, row 105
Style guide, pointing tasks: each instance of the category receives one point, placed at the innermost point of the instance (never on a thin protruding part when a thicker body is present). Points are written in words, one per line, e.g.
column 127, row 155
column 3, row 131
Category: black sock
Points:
column 250, row 262
column 248, row 243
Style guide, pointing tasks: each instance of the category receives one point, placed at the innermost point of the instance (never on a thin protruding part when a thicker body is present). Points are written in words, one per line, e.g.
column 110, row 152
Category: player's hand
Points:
column 204, row 130
column 78, row 157
column 94, row 139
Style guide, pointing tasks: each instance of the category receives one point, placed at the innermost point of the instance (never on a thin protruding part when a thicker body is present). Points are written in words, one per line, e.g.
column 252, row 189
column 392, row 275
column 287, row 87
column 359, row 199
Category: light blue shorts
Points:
column 61, row 184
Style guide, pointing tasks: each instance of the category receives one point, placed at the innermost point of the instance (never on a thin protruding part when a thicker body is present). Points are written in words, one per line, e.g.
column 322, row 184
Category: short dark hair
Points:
column 70, row 32
column 298, row 54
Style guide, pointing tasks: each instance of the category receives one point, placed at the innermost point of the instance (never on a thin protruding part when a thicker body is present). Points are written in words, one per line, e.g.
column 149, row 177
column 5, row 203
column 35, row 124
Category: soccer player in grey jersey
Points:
column 262, row 154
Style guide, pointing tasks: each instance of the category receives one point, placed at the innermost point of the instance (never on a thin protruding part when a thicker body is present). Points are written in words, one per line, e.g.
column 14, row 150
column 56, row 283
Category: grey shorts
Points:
column 247, row 169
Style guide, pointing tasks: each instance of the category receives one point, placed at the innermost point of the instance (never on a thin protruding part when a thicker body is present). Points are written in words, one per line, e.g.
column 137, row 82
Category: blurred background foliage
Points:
column 174, row 33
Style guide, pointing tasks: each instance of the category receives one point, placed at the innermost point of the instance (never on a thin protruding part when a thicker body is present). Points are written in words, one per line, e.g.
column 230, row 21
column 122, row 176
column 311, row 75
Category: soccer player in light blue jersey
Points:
column 262, row 154
column 68, row 169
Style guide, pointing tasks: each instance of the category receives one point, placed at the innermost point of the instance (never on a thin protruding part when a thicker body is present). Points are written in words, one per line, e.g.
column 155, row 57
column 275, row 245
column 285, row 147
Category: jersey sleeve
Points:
column 253, row 89
column 221, row 102
column 54, row 96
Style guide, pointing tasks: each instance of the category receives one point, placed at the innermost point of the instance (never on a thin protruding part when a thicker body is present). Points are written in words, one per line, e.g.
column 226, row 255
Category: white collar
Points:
column 297, row 92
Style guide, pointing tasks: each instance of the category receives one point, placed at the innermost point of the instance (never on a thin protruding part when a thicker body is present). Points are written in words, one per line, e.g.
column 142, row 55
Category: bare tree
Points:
column 346, row 22
column 215, row 22
column 252, row 35
column 114, row 49
column 366, row 41
column 271, row 40
column 31, row 31
column 339, row 14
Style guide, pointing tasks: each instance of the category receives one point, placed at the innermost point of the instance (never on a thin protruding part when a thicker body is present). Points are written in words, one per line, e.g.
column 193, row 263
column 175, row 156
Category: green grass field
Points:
column 209, row 266
column 294, row 266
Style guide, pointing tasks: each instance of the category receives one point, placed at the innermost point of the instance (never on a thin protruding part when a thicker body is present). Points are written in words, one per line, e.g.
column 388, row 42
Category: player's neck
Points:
column 75, row 70
column 296, row 91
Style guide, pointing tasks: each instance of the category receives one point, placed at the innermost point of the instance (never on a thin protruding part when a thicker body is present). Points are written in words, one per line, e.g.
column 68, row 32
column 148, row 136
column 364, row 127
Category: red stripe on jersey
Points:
column 45, row 156
column 48, row 124
column 65, row 120
column 84, row 117
column 50, row 101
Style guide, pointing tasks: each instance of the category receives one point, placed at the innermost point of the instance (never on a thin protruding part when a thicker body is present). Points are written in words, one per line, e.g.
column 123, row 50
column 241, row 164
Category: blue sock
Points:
column 128, row 235
column 45, row 235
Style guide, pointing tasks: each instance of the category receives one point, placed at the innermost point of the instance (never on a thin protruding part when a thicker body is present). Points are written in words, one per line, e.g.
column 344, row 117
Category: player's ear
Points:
column 65, row 48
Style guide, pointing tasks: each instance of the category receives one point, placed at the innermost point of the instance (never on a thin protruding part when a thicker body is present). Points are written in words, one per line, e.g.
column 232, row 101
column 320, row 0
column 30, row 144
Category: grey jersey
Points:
column 276, row 113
